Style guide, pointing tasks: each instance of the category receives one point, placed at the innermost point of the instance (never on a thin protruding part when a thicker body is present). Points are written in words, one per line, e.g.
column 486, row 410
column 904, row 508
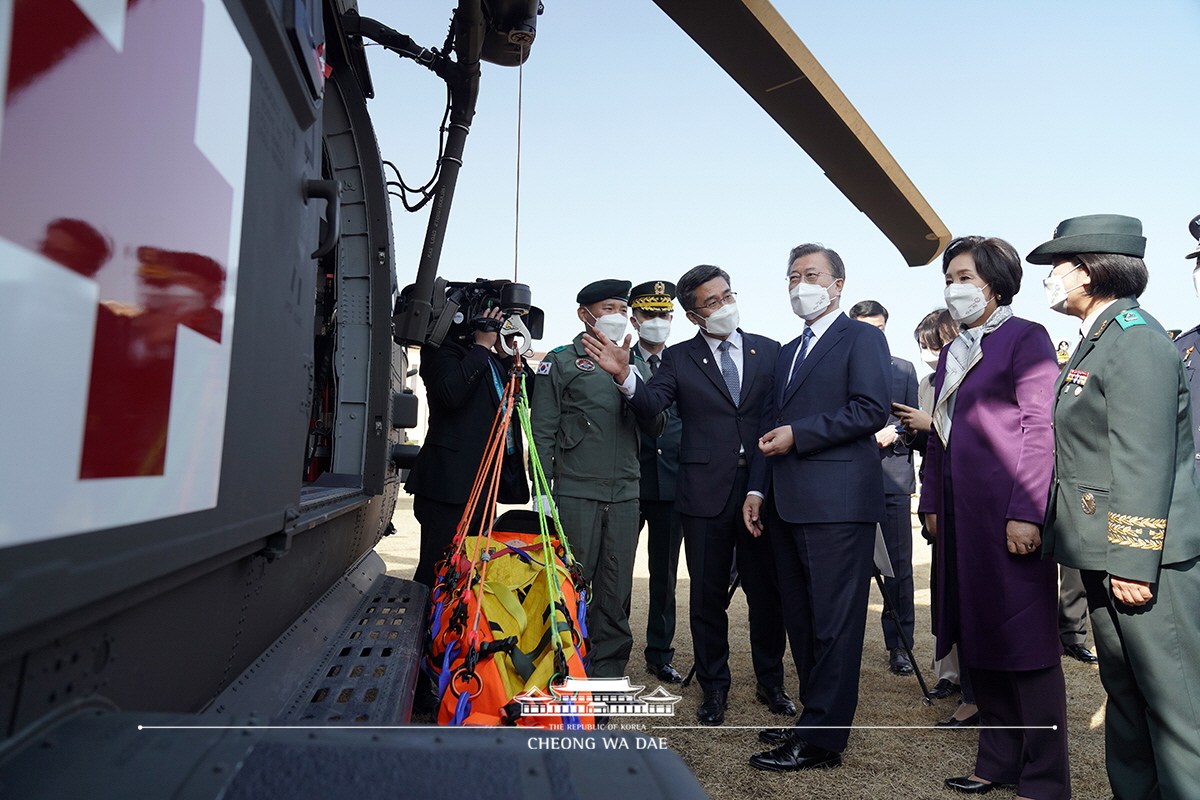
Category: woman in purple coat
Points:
column 987, row 479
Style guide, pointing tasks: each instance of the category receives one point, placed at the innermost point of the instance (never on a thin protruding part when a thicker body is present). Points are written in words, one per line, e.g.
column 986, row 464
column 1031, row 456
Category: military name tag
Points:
column 585, row 364
column 1088, row 501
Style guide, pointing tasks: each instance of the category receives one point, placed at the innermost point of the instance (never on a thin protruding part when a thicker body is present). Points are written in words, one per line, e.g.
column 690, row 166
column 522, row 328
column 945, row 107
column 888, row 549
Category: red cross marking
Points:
column 100, row 173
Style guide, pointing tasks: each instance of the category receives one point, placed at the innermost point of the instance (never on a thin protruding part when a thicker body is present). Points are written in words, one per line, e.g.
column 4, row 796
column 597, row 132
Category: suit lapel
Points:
column 824, row 344
column 751, row 363
column 707, row 364
column 1089, row 342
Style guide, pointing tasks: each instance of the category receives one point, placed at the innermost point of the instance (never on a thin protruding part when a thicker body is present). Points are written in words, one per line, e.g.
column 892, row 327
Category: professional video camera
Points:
column 458, row 310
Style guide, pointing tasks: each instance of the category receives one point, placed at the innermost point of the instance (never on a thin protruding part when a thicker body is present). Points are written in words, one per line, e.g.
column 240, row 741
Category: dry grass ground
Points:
column 907, row 762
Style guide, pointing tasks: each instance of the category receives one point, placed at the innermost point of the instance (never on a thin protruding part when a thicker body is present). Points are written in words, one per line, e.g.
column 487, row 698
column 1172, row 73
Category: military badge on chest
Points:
column 585, row 365
column 1088, row 501
column 1076, row 378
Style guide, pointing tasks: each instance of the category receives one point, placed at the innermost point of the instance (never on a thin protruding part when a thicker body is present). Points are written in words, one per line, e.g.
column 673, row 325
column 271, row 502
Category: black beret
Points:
column 603, row 290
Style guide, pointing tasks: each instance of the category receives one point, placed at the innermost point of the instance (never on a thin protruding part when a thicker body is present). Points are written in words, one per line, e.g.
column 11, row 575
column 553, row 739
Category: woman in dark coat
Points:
column 987, row 478
column 1125, row 510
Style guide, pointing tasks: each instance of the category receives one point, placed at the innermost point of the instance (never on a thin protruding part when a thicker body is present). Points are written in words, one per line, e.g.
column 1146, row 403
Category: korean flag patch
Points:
column 544, row 368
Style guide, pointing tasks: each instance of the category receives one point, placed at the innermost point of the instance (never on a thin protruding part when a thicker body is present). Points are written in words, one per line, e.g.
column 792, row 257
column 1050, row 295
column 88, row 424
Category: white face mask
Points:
column 1057, row 291
column 930, row 357
column 611, row 325
column 1196, row 277
column 654, row 330
column 965, row 301
column 809, row 300
column 721, row 322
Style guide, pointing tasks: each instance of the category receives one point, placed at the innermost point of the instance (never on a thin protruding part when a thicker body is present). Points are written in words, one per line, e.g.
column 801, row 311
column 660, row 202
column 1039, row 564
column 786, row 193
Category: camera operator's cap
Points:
column 603, row 290
column 1095, row 233
column 1194, row 230
column 653, row 296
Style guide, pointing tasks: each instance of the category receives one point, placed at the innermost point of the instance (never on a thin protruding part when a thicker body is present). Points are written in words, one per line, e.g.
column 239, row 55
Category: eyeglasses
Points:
column 808, row 277
column 717, row 302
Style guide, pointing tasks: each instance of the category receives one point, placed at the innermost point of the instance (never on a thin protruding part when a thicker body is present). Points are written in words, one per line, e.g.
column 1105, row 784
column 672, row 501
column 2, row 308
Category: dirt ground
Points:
column 894, row 751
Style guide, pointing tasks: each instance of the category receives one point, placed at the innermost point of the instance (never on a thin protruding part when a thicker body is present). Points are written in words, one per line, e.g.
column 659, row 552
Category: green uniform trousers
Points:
column 1150, row 667
column 603, row 537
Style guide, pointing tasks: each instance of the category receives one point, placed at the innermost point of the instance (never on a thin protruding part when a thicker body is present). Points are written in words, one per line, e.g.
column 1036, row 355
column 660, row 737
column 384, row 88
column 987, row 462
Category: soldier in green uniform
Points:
column 588, row 443
column 1124, row 506
column 1186, row 343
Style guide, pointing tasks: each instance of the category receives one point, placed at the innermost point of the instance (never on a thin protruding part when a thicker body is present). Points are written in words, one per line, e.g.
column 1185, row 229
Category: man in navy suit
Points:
column 721, row 382
column 899, row 483
column 823, row 490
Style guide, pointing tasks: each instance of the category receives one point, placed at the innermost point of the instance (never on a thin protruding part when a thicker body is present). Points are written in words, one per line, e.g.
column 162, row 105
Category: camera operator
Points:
column 464, row 379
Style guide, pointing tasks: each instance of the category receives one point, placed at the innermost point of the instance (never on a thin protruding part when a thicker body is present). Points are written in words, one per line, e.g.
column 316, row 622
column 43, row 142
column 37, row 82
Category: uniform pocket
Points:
column 575, row 427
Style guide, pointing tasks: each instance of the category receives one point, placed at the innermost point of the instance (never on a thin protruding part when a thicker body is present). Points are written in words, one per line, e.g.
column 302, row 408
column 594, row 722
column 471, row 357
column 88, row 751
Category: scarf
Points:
column 964, row 353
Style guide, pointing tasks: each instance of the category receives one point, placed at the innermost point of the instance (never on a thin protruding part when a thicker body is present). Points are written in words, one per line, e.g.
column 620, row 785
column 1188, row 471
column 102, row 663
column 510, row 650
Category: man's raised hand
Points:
column 613, row 358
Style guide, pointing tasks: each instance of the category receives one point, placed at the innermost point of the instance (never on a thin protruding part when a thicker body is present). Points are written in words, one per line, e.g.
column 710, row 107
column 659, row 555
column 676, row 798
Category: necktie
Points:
column 808, row 335
column 729, row 373
column 654, row 359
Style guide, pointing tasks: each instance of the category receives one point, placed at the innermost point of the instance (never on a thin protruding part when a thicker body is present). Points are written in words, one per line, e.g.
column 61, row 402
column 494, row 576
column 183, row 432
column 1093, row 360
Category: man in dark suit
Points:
column 899, row 483
column 721, row 382
column 653, row 304
column 824, row 497
column 464, row 379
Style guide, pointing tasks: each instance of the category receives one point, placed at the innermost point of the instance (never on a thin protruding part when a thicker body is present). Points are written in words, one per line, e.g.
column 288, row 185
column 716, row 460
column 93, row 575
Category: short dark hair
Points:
column 1113, row 275
column 693, row 279
column 836, row 267
column 996, row 261
column 868, row 308
column 936, row 329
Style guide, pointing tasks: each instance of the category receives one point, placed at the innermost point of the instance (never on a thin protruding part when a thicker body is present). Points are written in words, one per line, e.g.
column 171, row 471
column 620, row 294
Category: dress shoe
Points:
column 774, row 736
column 712, row 710
column 1080, row 653
column 776, row 700
column 899, row 663
column 664, row 672
column 795, row 754
column 968, row 786
column 944, row 689
column 970, row 722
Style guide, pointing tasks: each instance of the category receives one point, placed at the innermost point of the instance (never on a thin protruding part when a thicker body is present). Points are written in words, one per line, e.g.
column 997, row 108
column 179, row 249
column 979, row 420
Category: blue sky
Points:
column 641, row 158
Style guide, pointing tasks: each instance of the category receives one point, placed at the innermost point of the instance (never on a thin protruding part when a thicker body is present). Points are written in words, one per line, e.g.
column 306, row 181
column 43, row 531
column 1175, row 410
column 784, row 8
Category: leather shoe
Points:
column 795, row 754
column 968, row 786
column 944, row 689
column 776, row 700
column 774, row 736
column 664, row 672
column 712, row 710
column 899, row 663
column 1080, row 653
column 970, row 722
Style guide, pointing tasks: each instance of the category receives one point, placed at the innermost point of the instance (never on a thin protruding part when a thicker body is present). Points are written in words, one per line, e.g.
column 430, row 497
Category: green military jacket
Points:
column 586, row 437
column 1124, row 498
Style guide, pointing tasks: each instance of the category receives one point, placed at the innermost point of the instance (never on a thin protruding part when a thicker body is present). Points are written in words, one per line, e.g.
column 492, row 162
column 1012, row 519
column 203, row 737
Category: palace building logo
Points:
column 612, row 697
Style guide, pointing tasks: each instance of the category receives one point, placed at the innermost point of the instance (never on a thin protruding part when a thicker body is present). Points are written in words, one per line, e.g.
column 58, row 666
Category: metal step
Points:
column 351, row 658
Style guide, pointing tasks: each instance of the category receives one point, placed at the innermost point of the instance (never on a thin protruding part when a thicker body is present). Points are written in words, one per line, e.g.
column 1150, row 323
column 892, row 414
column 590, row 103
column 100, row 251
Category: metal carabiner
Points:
column 515, row 326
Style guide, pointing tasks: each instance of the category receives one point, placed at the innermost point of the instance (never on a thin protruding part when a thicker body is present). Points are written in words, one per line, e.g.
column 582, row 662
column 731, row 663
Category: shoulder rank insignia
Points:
column 1077, row 377
column 560, row 348
column 1130, row 318
column 544, row 368
column 585, row 364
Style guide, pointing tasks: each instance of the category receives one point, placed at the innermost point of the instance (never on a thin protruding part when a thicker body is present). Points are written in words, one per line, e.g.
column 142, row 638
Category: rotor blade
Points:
column 755, row 45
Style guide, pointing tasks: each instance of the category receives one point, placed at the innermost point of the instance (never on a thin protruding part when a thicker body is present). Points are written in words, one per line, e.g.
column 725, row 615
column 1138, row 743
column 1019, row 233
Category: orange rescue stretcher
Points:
column 509, row 606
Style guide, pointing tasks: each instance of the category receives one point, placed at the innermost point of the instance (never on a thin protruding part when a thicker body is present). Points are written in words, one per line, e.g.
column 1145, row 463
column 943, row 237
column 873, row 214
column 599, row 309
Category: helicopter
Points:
column 208, row 412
